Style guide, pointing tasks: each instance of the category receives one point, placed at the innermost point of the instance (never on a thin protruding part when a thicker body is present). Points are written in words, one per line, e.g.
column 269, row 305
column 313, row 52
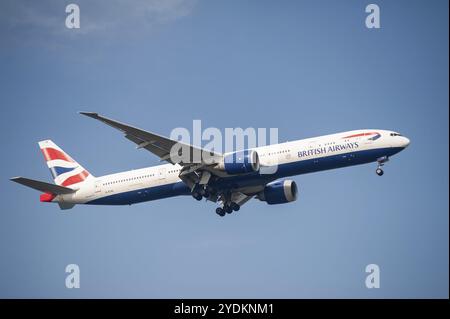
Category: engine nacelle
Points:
column 279, row 192
column 241, row 162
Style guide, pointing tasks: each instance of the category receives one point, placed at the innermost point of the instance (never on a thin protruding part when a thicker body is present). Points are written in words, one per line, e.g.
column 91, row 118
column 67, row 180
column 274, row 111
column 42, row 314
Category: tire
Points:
column 235, row 207
column 220, row 212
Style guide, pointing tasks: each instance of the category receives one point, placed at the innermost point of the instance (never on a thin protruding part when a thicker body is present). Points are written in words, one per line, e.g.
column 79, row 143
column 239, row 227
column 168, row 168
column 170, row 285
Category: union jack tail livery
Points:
column 64, row 169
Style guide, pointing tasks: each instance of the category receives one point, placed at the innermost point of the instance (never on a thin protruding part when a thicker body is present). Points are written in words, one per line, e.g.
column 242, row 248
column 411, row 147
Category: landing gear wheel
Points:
column 197, row 196
column 235, row 207
column 379, row 172
column 220, row 212
column 204, row 191
column 228, row 209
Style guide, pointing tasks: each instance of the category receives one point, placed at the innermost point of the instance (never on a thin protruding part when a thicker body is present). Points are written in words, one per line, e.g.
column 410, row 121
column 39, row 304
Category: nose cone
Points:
column 404, row 142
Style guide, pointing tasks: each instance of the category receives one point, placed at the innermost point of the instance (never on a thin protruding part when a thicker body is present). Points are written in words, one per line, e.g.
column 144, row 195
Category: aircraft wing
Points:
column 161, row 146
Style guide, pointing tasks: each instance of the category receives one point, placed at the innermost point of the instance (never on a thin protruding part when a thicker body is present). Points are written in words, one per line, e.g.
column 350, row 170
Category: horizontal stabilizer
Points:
column 43, row 186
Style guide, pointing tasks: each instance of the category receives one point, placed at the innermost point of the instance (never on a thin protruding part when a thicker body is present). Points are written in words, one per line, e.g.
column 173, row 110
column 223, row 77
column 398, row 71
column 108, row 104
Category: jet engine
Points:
column 279, row 192
column 241, row 162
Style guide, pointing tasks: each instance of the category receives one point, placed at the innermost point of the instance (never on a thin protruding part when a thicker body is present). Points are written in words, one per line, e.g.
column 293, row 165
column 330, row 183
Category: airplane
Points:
column 229, row 179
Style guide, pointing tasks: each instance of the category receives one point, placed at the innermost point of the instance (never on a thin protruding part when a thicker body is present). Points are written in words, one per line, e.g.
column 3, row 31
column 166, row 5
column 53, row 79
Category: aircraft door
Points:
column 98, row 187
column 162, row 174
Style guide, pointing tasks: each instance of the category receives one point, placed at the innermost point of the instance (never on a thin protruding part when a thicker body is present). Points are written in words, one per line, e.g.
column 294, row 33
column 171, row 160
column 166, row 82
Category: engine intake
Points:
column 241, row 162
column 279, row 192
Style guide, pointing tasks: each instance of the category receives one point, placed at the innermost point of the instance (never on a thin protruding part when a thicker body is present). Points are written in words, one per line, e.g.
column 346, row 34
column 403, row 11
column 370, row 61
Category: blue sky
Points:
column 307, row 67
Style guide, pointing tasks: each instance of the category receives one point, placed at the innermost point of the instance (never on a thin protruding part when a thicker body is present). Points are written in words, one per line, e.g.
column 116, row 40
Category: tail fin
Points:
column 64, row 169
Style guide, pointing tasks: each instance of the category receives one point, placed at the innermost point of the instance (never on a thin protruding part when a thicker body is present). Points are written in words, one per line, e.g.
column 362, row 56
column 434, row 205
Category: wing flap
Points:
column 151, row 146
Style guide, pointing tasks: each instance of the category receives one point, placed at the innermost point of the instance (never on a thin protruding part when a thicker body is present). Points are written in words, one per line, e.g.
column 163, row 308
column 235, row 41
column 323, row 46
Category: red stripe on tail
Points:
column 76, row 178
column 51, row 154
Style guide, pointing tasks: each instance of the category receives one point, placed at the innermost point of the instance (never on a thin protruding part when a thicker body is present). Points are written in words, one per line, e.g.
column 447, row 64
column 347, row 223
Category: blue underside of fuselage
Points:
column 238, row 181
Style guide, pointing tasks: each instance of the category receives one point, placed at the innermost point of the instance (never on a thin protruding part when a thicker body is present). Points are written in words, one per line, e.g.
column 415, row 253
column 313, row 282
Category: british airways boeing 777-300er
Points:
column 229, row 179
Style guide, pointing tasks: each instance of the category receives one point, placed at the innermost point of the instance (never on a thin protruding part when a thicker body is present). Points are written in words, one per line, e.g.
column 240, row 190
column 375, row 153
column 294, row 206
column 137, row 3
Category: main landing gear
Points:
column 197, row 196
column 381, row 162
column 200, row 192
column 220, row 211
column 205, row 191
column 227, row 209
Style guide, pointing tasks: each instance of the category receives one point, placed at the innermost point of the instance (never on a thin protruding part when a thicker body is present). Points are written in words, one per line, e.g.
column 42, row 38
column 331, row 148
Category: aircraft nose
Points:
column 405, row 142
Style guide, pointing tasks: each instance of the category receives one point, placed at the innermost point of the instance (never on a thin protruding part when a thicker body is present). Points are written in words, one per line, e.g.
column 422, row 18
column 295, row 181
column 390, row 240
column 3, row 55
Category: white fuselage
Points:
column 279, row 160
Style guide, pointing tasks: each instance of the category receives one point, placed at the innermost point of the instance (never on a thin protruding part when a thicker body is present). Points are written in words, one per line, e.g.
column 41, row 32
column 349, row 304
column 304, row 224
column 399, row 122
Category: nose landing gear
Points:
column 381, row 162
column 379, row 171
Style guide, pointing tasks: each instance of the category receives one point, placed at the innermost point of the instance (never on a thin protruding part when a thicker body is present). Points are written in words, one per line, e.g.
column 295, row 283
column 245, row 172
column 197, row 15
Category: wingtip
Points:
column 90, row 114
column 15, row 178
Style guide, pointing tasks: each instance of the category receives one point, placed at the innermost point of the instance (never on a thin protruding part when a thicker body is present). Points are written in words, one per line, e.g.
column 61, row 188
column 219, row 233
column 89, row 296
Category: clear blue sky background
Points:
column 306, row 67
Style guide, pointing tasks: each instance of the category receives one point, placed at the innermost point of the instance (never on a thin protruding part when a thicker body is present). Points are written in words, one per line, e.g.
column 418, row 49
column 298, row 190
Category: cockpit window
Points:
column 396, row 134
